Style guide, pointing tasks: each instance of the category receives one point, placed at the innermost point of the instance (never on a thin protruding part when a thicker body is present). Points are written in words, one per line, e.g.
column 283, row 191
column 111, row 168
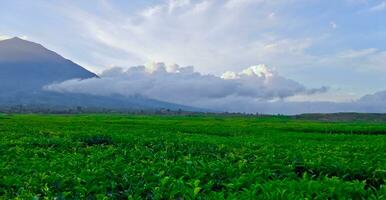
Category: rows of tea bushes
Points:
column 163, row 157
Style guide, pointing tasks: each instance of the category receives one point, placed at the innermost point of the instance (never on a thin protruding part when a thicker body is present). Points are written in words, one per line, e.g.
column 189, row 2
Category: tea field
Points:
column 189, row 157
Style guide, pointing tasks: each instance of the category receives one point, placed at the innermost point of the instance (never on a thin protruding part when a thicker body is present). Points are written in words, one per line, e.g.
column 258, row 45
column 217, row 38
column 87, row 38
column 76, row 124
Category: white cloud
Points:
column 220, row 35
column 204, row 33
column 380, row 7
column 254, row 89
column 232, row 4
column 361, row 61
column 182, row 85
column 176, row 4
column 4, row 37
column 357, row 53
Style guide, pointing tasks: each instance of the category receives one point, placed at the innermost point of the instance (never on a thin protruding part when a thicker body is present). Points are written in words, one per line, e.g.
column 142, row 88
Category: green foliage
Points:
column 97, row 140
column 189, row 157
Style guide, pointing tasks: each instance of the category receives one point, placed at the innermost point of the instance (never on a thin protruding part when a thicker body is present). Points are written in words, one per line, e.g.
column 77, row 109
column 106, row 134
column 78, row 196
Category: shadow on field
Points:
column 96, row 140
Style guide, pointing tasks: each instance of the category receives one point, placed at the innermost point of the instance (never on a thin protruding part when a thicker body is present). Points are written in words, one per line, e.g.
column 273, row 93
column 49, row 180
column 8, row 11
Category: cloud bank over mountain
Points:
column 313, row 48
column 255, row 89
column 183, row 85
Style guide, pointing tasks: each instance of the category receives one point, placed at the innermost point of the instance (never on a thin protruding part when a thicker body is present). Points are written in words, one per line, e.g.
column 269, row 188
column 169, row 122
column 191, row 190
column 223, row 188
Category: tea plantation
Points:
column 189, row 157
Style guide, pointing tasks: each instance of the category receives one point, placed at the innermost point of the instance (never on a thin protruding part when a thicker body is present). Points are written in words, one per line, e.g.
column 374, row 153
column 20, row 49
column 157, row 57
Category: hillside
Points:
column 26, row 66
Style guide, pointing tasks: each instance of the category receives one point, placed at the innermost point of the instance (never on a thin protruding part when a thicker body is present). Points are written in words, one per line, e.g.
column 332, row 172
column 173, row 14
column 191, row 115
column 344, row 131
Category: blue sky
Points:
column 339, row 44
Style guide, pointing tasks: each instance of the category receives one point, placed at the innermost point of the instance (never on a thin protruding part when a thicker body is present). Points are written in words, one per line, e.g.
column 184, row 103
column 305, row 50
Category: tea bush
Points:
column 189, row 157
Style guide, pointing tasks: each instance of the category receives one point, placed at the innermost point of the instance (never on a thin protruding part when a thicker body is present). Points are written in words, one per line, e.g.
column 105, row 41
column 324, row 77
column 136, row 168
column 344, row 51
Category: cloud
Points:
column 4, row 37
column 254, row 89
column 183, row 85
column 374, row 103
column 380, row 7
column 232, row 4
column 358, row 53
column 370, row 58
column 216, row 36
column 210, row 34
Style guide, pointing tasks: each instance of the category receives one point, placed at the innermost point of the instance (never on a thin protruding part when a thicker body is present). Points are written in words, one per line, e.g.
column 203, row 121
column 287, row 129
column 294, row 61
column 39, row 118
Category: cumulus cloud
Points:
column 255, row 89
column 183, row 85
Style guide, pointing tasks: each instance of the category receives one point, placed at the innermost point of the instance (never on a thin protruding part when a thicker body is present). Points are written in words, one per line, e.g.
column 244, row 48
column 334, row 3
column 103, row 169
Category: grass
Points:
column 189, row 157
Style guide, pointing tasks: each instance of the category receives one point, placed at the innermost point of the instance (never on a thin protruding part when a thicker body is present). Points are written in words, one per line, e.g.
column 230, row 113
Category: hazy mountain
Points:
column 26, row 67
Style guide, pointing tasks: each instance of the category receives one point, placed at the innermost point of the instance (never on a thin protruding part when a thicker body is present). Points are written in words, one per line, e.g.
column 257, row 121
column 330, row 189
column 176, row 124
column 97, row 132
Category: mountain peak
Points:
column 19, row 44
column 27, row 66
column 14, row 39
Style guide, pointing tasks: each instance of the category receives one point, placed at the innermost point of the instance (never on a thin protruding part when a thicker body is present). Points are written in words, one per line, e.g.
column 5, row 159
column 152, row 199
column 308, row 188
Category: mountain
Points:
column 26, row 67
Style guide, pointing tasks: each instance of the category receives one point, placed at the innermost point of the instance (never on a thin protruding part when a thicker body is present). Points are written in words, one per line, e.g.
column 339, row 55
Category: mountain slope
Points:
column 26, row 66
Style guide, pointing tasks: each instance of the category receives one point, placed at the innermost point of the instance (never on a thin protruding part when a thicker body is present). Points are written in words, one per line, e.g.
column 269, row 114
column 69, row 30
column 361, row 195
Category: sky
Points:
column 339, row 45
